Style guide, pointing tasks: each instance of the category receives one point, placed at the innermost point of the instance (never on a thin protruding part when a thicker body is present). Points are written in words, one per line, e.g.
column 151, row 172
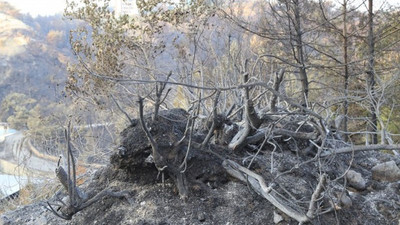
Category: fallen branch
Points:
column 240, row 138
column 259, row 185
column 278, row 131
column 312, row 208
column 359, row 148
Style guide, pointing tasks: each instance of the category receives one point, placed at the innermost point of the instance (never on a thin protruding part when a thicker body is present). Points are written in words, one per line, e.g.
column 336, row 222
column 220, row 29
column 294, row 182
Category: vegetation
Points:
column 277, row 62
column 312, row 77
column 121, row 53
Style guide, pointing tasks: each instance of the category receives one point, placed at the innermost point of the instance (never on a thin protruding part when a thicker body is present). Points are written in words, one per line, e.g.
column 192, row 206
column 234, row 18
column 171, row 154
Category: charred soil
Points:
column 215, row 197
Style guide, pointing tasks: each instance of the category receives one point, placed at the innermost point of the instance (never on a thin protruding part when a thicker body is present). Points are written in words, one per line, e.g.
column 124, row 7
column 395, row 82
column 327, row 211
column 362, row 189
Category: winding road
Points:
column 19, row 164
column 16, row 151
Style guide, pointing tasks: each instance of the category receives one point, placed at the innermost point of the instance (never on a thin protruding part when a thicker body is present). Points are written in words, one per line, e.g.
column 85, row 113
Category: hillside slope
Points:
column 136, row 194
column 32, row 62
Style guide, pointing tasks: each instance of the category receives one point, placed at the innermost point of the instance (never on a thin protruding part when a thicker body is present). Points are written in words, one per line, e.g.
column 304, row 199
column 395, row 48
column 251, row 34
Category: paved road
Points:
column 18, row 165
column 15, row 152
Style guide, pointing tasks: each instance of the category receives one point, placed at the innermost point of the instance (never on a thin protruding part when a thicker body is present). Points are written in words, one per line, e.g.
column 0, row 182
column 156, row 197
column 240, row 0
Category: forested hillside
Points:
column 34, row 53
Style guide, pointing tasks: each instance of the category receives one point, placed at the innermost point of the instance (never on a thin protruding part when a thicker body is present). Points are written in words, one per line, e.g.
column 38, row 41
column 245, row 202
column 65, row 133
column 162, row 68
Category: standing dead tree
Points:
column 277, row 84
column 76, row 199
column 371, row 75
column 284, row 23
column 166, row 158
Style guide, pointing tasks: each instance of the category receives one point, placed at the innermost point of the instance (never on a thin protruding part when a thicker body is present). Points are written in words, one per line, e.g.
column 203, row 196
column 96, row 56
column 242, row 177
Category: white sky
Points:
column 51, row 7
column 39, row 7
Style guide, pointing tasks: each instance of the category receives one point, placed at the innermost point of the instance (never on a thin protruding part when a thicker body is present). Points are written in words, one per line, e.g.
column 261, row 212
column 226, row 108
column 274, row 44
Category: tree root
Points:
column 259, row 185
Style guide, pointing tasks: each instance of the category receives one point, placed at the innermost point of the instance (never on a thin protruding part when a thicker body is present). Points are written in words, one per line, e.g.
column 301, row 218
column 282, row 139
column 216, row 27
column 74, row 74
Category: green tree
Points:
column 15, row 109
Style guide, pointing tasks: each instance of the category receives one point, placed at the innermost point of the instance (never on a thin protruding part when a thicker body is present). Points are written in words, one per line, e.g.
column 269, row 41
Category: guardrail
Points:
column 38, row 154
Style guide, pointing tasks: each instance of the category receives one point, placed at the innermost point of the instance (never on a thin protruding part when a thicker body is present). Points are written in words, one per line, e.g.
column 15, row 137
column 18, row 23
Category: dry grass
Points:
column 34, row 192
column 31, row 193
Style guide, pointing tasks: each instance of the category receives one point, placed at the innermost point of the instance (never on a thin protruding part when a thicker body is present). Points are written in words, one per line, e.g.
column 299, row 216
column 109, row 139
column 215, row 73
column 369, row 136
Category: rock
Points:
column 4, row 220
column 41, row 220
column 356, row 180
column 345, row 200
column 277, row 218
column 387, row 171
column 201, row 217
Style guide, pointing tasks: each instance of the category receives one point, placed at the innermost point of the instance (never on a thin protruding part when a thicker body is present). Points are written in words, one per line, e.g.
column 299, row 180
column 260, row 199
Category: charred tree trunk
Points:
column 346, row 72
column 372, row 126
column 277, row 84
column 300, row 51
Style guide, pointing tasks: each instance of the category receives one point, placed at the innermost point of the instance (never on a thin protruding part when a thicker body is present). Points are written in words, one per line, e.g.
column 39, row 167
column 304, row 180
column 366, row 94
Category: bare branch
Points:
column 160, row 87
column 279, row 131
column 158, row 159
column 277, row 84
column 71, row 166
column 247, row 85
column 212, row 128
column 258, row 184
column 251, row 120
column 77, row 199
column 315, row 196
column 58, row 214
column 357, row 148
column 102, row 194
column 123, row 111
column 189, row 130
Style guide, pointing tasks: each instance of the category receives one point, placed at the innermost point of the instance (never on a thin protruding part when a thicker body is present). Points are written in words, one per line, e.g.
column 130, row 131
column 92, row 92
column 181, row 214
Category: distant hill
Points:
column 33, row 54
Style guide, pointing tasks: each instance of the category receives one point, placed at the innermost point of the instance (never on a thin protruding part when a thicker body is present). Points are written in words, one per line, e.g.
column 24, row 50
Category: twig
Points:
column 266, row 139
column 191, row 123
column 228, row 113
column 160, row 86
column 314, row 197
column 58, row 214
column 123, row 111
column 211, row 131
column 277, row 83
